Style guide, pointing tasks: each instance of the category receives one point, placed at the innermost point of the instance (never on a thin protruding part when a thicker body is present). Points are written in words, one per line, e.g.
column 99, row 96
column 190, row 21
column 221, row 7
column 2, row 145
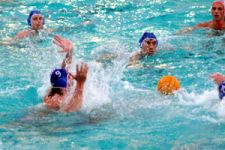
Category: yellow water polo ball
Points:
column 168, row 84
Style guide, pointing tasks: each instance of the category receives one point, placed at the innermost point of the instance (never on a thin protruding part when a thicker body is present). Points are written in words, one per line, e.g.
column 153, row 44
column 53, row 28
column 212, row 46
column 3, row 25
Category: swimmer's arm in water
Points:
column 189, row 29
column 67, row 46
column 13, row 41
column 10, row 42
column 20, row 35
column 135, row 63
column 76, row 100
column 27, row 33
column 217, row 78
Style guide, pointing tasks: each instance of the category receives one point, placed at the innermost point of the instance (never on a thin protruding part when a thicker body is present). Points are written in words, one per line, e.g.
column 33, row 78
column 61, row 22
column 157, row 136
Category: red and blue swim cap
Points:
column 59, row 78
column 33, row 12
column 148, row 35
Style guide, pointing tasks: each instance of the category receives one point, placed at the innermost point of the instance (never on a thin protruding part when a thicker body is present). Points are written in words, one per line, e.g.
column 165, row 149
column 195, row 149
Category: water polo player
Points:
column 219, row 79
column 217, row 22
column 35, row 22
column 62, row 95
column 148, row 46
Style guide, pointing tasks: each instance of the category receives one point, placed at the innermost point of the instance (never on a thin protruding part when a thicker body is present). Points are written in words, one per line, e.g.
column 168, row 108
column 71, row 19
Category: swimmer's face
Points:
column 149, row 46
column 37, row 21
column 217, row 11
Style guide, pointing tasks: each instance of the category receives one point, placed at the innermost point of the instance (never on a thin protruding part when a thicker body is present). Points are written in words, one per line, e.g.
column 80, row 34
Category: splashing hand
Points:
column 81, row 73
column 65, row 44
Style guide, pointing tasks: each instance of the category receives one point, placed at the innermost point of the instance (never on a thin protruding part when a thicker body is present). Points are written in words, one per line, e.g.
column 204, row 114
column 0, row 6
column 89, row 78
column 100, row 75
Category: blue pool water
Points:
column 122, row 108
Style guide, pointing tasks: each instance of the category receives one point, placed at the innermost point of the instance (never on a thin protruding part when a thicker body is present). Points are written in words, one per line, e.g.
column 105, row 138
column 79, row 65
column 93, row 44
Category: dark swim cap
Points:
column 59, row 78
column 221, row 90
column 33, row 12
column 148, row 35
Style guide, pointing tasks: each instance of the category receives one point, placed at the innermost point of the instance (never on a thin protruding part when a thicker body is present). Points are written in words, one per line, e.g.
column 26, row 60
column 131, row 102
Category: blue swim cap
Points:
column 148, row 35
column 221, row 90
column 59, row 78
column 33, row 12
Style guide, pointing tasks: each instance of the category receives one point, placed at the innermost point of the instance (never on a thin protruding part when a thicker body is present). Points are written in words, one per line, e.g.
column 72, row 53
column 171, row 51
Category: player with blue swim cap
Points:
column 35, row 22
column 59, row 78
column 221, row 89
column 33, row 12
column 219, row 79
column 62, row 95
column 148, row 35
column 148, row 45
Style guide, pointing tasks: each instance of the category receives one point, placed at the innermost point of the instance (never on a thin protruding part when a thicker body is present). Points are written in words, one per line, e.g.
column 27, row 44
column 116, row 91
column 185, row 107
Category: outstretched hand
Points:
column 218, row 78
column 65, row 44
column 81, row 73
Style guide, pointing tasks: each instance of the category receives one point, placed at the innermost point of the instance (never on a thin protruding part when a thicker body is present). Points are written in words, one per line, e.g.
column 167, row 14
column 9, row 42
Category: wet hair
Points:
column 55, row 91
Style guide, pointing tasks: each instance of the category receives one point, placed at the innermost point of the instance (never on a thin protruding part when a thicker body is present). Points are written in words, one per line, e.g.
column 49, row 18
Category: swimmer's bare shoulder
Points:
column 198, row 26
column 134, row 58
column 22, row 34
column 53, row 102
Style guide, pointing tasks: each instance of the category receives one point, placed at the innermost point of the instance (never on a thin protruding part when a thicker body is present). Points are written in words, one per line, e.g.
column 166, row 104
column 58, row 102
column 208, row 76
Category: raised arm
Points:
column 67, row 59
column 76, row 100
column 67, row 46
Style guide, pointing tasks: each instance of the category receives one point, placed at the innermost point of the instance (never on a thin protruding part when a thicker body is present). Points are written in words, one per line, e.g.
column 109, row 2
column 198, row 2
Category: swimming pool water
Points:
column 122, row 108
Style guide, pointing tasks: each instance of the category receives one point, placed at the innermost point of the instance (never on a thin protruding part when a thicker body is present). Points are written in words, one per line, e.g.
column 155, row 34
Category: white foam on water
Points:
column 206, row 98
column 96, row 87
column 206, row 105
